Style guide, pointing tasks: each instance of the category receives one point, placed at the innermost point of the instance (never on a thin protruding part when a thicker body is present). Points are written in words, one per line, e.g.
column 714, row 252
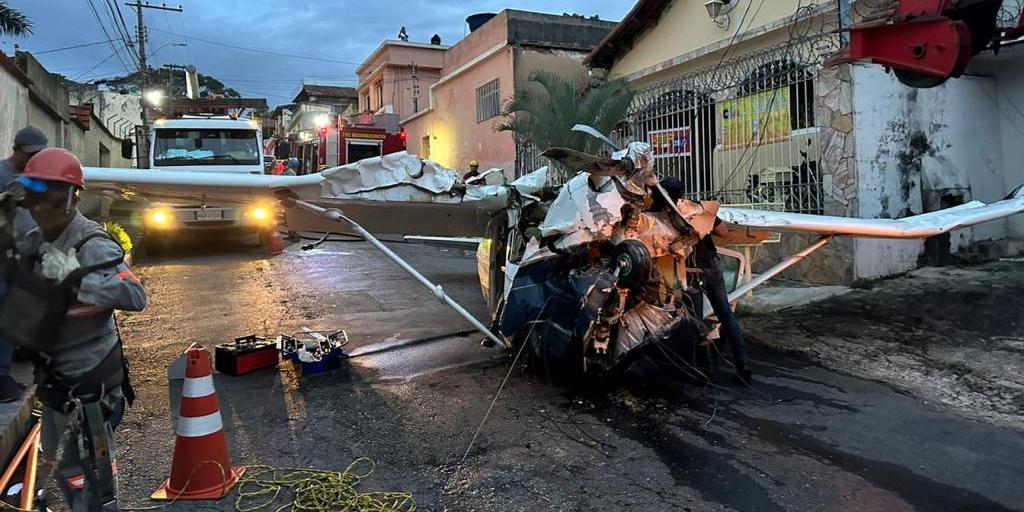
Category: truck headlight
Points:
column 260, row 214
column 159, row 218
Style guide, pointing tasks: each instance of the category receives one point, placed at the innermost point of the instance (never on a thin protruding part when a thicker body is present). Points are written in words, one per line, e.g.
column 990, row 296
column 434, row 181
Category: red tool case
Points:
column 247, row 354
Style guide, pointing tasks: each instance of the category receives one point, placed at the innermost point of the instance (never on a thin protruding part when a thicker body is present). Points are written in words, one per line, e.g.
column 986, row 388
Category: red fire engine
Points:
column 353, row 141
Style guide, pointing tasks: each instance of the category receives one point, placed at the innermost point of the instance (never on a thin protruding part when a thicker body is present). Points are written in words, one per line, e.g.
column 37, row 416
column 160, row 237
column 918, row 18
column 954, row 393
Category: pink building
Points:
column 395, row 77
column 460, row 107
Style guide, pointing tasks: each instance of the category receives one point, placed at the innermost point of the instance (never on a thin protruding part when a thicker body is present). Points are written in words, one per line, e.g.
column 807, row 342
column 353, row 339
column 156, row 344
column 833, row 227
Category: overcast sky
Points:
column 342, row 32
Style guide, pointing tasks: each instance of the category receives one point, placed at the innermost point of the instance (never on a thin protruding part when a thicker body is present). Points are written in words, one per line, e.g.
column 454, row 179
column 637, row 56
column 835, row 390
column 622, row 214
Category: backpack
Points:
column 33, row 312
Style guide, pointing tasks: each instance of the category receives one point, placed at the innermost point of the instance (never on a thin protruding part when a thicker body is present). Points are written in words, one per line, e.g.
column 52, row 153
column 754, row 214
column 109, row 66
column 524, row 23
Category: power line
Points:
column 110, row 40
column 120, row 17
column 84, row 45
column 85, row 73
column 122, row 28
column 257, row 50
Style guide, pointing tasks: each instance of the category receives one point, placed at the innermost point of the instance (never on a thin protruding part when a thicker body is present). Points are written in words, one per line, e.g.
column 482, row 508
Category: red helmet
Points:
column 55, row 164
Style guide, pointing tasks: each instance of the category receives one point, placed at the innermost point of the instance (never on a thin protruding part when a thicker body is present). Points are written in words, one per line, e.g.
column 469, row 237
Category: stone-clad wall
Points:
column 833, row 264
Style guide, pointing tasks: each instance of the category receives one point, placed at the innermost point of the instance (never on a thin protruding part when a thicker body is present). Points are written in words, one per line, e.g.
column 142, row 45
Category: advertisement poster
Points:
column 671, row 142
column 758, row 118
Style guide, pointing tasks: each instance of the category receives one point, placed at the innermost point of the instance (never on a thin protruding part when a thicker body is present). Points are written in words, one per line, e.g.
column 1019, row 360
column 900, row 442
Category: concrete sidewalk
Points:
column 778, row 295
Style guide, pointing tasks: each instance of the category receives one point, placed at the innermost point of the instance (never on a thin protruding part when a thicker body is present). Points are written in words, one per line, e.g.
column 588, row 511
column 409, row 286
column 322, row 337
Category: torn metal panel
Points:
column 643, row 323
column 584, row 211
column 700, row 216
column 420, row 180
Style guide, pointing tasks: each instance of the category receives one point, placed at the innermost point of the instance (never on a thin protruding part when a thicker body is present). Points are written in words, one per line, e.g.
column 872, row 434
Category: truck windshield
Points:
column 205, row 147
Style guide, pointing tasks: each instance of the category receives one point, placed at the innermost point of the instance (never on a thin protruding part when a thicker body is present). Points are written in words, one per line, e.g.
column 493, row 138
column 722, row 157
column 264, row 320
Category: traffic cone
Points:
column 200, row 470
column 275, row 244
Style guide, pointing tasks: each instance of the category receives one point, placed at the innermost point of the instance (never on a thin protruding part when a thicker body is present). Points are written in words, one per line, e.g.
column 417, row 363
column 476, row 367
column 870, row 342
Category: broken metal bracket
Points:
column 774, row 271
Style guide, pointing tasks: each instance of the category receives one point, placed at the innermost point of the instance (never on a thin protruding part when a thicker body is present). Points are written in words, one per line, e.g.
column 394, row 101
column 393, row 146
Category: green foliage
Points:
column 119, row 235
column 173, row 83
column 545, row 111
column 13, row 22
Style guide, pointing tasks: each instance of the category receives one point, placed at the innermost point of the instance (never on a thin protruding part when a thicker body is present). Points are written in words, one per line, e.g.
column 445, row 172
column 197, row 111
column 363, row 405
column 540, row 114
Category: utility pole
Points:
column 140, row 35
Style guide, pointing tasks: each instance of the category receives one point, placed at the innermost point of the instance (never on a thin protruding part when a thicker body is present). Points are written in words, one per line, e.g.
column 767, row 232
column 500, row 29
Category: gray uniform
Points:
column 23, row 222
column 87, row 337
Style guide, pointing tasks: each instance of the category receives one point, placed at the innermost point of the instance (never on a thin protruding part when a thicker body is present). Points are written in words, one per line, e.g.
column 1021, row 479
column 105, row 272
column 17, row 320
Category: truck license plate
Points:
column 208, row 214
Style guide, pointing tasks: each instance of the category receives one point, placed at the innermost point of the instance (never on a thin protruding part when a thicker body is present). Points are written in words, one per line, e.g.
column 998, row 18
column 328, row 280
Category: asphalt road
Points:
column 803, row 438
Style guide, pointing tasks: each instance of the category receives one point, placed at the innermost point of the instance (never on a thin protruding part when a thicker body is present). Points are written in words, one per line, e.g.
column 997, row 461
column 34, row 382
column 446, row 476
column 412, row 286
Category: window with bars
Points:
column 752, row 140
column 380, row 93
column 488, row 101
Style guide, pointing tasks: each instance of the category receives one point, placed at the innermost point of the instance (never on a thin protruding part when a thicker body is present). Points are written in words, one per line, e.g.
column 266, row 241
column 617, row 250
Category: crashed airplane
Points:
column 589, row 276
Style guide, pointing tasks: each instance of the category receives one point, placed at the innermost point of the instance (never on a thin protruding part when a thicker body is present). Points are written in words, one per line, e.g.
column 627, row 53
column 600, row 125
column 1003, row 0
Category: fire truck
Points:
column 365, row 136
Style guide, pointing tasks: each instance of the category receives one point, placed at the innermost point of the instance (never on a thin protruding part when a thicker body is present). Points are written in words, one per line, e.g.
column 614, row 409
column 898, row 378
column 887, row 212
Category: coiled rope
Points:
column 317, row 490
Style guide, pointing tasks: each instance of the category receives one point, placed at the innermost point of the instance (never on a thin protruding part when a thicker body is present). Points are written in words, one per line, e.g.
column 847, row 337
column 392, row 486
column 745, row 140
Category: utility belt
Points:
column 33, row 312
column 56, row 390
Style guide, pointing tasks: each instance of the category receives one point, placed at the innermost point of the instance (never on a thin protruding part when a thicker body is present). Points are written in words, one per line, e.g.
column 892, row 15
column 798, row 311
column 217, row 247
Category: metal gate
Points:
column 750, row 137
column 745, row 130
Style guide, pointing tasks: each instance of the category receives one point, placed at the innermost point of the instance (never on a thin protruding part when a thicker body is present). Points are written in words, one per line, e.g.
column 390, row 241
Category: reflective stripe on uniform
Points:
column 199, row 426
column 198, row 387
column 126, row 275
column 76, row 482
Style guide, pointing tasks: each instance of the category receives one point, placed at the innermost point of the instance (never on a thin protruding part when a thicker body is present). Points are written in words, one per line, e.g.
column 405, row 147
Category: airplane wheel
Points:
column 634, row 262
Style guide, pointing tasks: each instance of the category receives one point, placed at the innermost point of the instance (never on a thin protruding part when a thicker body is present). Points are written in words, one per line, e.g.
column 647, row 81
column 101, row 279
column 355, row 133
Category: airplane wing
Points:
column 393, row 194
column 174, row 186
column 917, row 226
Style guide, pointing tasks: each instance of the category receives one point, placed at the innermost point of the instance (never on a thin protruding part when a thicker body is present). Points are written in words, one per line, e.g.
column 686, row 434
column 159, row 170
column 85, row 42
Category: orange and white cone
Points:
column 275, row 244
column 200, row 470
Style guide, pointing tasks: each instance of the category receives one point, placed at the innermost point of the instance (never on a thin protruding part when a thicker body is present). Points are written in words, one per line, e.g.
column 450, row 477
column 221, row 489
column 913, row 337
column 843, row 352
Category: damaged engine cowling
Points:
column 607, row 274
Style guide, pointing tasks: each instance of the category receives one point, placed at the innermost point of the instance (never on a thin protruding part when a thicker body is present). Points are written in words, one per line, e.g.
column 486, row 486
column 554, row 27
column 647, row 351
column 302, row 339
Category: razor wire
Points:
column 693, row 105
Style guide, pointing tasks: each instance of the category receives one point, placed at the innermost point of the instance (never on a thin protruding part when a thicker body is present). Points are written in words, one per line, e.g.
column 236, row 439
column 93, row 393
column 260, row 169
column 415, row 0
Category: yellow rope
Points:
column 317, row 490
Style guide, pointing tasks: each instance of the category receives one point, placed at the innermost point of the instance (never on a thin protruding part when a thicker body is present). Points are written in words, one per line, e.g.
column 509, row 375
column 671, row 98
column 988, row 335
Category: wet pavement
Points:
column 803, row 438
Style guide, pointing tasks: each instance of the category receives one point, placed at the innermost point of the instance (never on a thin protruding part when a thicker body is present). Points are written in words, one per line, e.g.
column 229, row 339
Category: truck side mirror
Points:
column 127, row 147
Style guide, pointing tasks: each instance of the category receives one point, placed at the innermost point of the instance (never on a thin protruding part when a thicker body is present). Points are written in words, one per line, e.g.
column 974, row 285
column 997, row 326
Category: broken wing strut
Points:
column 337, row 216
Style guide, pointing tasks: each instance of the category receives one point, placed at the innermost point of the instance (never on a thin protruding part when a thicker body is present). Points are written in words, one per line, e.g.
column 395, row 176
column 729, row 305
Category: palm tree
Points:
column 12, row 22
column 544, row 112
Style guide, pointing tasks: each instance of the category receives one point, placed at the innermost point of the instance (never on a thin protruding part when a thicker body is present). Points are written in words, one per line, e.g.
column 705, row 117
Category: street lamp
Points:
column 154, row 97
column 718, row 10
column 321, row 120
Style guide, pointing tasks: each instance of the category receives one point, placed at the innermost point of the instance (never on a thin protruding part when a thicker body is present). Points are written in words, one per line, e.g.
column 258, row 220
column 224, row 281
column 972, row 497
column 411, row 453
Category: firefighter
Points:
column 81, row 374
column 474, row 171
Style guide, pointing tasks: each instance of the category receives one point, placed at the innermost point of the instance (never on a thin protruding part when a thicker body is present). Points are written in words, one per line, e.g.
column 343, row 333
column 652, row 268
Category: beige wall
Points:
column 87, row 144
column 13, row 110
column 51, row 126
column 455, row 136
column 685, row 27
column 530, row 60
